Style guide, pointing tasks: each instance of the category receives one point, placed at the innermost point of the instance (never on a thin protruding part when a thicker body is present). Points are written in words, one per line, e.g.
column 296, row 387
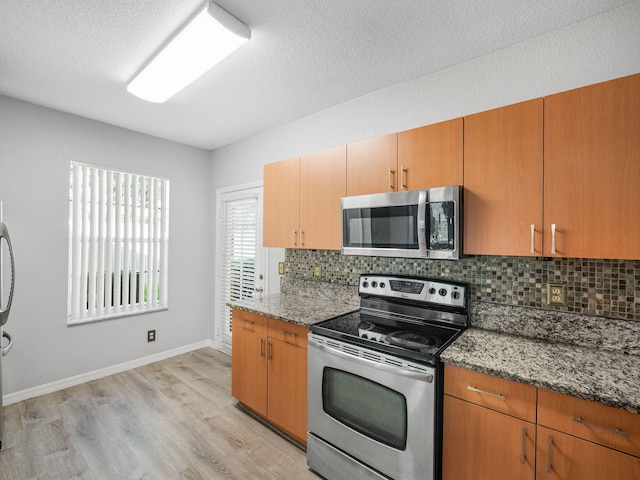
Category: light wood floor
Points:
column 171, row 419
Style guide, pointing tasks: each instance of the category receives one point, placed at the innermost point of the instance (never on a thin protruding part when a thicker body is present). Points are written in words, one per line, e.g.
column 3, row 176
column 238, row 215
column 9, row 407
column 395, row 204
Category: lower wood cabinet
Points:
column 269, row 370
column 481, row 444
column 487, row 435
column 563, row 457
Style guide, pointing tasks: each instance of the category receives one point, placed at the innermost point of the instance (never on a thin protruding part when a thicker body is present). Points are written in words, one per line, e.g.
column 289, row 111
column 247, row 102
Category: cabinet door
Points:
column 323, row 181
column 481, row 444
column 430, row 156
column 592, row 170
column 503, row 180
column 249, row 369
column 281, row 205
column 288, row 388
column 563, row 457
column 371, row 165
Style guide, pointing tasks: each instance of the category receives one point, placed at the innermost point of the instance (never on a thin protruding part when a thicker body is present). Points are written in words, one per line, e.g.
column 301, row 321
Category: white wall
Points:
column 36, row 146
column 600, row 48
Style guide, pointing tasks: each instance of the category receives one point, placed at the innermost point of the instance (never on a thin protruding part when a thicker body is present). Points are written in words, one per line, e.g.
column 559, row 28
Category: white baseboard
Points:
column 96, row 374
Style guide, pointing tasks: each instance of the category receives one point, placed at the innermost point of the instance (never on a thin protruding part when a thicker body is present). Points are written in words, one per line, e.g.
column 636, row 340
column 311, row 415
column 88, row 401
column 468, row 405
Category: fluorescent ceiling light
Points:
column 212, row 35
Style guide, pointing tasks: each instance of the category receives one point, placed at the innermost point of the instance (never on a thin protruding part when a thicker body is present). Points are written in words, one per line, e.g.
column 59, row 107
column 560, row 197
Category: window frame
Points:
column 98, row 244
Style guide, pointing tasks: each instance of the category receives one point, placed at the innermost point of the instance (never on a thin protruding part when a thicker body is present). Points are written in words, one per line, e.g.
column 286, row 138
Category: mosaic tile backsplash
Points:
column 600, row 287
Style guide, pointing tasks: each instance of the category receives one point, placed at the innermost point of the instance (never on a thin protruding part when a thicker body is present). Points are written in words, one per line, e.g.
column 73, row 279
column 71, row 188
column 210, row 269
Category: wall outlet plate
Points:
column 317, row 271
column 281, row 268
column 557, row 294
column 151, row 336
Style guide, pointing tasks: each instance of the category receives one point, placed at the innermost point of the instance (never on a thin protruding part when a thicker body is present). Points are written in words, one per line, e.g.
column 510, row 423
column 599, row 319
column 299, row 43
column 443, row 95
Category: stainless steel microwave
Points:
column 412, row 224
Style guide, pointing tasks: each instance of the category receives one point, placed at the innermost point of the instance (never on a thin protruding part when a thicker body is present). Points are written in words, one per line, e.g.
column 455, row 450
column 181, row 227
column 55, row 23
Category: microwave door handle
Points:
column 4, row 313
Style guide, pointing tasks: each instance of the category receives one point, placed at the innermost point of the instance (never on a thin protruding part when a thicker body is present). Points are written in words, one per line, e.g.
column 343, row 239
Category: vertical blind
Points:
column 119, row 231
column 239, row 243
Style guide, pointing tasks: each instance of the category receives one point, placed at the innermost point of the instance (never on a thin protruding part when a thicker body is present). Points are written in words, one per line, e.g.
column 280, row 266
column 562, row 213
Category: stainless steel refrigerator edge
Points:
column 4, row 308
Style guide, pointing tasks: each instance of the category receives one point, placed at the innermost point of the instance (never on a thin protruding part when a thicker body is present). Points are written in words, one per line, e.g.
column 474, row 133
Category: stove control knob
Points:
column 432, row 291
column 374, row 284
column 364, row 335
column 443, row 292
column 382, row 285
column 455, row 295
column 365, row 284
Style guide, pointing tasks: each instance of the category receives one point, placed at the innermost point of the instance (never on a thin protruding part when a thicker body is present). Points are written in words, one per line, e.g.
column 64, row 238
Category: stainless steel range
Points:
column 375, row 380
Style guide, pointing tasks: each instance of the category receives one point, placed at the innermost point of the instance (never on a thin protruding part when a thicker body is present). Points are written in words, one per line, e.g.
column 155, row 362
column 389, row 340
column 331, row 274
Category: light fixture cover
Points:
column 211, row 36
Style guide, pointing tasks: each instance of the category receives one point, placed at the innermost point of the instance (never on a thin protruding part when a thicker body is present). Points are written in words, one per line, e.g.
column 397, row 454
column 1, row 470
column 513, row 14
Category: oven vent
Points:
column 370, row 355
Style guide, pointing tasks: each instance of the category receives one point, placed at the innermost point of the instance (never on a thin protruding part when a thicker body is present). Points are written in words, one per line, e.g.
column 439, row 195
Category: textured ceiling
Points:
column 304, row 56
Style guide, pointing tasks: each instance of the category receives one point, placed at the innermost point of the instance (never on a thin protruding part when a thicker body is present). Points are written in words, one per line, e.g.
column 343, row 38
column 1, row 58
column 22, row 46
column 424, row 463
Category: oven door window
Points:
column 367, row 407
column 381, row 227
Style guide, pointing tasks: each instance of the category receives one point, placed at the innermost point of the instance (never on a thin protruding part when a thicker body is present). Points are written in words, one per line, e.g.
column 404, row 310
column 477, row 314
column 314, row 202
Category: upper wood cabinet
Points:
column 431, row 156
column 302, row 200
column 425, row 157
column 503, row 180
column 323, row 182
column 372, row 165
column 281, row 204
column 592, row 170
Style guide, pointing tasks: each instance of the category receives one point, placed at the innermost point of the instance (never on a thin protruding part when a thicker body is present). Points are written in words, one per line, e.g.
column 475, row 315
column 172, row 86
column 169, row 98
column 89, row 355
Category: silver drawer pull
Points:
column 284, row 332
column 495, row 395
column 522, row 450
column 617, row 431
column 250, row 322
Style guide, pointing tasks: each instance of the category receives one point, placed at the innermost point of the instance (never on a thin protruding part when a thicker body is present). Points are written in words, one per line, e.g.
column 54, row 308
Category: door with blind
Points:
column 239, row 254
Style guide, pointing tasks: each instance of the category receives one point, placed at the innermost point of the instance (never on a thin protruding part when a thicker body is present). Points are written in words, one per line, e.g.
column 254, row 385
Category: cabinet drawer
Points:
column 608, row 426
column 288, row 332
column 249, row 321
column 498, row 394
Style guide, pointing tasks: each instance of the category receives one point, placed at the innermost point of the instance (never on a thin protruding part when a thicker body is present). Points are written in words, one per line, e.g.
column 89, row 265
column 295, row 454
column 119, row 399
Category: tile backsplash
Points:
column 600, row 287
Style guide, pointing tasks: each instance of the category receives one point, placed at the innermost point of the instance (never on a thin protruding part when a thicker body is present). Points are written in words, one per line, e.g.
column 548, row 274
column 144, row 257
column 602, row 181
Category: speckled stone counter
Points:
column 296, row 309
column 591, row 357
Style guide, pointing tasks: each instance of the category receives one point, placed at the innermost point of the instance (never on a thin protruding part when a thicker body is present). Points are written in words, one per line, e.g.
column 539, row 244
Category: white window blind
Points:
column 238, row 258
column 119, row 231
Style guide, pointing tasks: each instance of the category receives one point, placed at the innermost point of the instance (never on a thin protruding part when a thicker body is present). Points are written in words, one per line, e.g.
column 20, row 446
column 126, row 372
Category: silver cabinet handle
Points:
column 250, row 322
column 553, row 238
column 269, row 351
column 301, row 238
column 549, row 445
column 294, row 237
column 617, row 431
column 262, row 347
column 391, row 172
column 403, row 177
column 524, row 439
column 483, row 392
column 291, row 334
column 533, row 234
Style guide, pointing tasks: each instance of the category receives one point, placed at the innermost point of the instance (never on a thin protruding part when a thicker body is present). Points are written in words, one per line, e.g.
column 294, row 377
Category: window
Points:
column 118, row 242
column 239, row 253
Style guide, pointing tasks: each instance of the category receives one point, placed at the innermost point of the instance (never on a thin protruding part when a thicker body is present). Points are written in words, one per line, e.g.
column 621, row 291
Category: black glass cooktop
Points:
column 405, row 338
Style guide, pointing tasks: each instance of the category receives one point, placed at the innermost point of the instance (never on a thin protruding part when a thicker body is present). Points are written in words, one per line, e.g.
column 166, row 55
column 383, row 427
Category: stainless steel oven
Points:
column 375, row 382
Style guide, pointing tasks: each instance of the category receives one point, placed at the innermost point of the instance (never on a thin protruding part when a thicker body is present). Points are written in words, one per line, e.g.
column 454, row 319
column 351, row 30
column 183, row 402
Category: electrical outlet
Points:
column 317, row 271
column 281, row 268
column 556, row 294
column 151, row 336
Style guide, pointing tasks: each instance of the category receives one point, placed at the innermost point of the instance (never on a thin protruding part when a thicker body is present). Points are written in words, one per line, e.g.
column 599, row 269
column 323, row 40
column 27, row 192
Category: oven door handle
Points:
column 406, row 371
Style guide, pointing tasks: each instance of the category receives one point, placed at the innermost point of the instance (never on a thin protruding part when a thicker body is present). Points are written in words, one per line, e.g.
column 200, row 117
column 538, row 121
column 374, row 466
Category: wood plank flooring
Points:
column 173, row 419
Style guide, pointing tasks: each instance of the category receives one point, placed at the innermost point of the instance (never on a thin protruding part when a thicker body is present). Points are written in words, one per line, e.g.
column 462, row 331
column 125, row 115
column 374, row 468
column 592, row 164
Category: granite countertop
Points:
column 608, row 377
column 296, row 309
